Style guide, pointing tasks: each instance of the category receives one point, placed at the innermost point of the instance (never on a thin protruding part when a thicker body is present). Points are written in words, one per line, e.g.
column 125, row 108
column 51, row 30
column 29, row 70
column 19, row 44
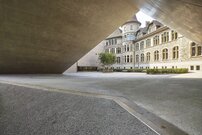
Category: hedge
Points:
column 167, row 71
column 136, row 70
column 129, row 70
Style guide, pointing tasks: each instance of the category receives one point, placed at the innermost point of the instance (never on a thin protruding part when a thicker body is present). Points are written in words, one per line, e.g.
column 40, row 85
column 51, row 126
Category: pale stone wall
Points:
column 184, row 61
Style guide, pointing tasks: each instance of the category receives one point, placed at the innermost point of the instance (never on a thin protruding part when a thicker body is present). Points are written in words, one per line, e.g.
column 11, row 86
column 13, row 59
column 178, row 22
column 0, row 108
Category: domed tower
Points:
column 129, row 29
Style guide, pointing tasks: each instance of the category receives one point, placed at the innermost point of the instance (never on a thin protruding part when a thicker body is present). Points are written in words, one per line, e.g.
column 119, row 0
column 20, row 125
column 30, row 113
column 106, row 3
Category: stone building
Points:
column 154, row 46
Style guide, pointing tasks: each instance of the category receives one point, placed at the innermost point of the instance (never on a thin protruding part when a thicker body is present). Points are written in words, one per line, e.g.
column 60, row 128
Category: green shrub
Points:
column 129, row 70
column 167, row 71
column 118, row 70
column 136, row 70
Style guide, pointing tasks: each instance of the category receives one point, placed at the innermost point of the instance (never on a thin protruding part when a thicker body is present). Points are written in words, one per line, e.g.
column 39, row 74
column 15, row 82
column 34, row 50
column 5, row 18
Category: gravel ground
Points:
column 27, row 111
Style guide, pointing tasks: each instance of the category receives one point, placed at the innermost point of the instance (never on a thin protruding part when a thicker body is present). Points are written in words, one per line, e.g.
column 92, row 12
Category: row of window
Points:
column 112, row 41
column 197, row 67
column 196, row 50
column 114, row 50
column 131, row 28
column 175, row 53
column 127, row 59
column 156, row 41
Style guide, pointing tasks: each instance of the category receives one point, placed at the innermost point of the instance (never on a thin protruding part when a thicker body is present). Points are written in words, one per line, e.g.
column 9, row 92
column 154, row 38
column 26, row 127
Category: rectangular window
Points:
column 118, row 59
column 193, row 51
column 148, row 43
column 115, row 41
column 128, row 59
column 199, row 50
column 191, row 67
column 137, row 47
column 131, row 27
column 198, row 67
column 131, row 58
column 141, row 45
column 128, row 48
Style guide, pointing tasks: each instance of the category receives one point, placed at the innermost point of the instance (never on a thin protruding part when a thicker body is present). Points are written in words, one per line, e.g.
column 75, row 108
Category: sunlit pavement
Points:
column 175, row 98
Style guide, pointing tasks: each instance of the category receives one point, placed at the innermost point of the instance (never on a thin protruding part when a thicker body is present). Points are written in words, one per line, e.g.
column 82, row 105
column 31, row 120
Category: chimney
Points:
column 147, row 23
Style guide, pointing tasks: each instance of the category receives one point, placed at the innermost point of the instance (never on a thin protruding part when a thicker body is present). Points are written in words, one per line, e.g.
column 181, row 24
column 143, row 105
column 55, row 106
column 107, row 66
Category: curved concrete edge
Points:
column 155, row 123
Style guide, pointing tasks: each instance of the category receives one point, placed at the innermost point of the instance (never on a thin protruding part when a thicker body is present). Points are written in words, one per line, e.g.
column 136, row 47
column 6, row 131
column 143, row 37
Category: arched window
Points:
column 137, row 47
column 128, row 59
column 128, row 48
column 156, row 55
column 156, row 40
column 118, row 50
column 131, row 58
column 118, row 59
column 165, row 54
column 165, row 37
column 148, row 56
column 196, row 50
column 175, row 52
column 142, row 57
column 174, row 35
column 141, row 45
column 137, row 58
column 113, row 50
column 148, row 43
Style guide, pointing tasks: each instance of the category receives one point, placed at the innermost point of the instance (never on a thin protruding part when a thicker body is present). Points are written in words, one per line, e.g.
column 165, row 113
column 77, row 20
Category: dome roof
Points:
column 132, row 20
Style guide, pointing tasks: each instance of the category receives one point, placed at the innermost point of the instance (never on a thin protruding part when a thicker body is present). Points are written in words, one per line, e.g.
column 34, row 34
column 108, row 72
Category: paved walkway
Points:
column 174, row 98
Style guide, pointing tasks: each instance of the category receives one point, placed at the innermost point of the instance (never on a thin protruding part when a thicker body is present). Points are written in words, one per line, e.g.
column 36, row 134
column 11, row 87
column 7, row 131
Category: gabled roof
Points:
column 155, row 22
column 116, row 33
column 142, row 30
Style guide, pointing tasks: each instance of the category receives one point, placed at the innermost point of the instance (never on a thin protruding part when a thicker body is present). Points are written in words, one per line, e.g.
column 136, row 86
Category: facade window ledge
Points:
column 168, row 42
column 174, row 40
column 196, row 56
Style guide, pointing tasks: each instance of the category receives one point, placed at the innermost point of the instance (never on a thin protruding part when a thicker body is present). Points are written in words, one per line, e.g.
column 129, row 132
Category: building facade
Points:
column 154, row 46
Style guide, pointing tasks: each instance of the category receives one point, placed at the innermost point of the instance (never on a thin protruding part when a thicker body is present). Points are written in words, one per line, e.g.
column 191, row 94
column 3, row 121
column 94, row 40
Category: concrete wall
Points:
column 38, row 36
column 90, row 59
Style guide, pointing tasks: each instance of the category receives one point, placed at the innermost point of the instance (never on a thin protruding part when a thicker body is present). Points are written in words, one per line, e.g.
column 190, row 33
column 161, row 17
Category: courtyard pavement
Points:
column 27, row 111
column 174, row 98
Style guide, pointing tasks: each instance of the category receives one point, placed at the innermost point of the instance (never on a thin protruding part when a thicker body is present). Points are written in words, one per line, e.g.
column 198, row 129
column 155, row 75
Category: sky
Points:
column 143, row 18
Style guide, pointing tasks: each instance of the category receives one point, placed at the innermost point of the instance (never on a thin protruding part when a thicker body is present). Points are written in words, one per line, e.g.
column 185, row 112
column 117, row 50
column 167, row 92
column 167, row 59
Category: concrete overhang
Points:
column 38, row 36
column 185, row 16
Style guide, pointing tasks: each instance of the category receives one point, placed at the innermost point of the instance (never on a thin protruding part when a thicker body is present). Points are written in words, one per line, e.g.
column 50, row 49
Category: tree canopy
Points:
column 107, row 59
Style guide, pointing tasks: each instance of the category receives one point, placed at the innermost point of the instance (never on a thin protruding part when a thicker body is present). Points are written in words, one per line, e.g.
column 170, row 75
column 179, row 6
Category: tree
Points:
column 107, row 59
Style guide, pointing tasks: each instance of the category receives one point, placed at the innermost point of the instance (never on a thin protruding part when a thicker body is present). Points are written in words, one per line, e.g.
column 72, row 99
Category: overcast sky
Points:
column 143, row 17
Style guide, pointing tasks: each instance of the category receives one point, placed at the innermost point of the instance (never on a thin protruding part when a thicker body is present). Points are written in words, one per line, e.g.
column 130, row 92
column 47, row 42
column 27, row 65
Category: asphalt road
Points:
column 28, row 111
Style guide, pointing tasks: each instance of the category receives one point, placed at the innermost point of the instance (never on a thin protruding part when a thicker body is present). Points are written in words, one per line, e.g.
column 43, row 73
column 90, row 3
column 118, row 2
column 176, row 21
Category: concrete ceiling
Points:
column 48, row 36
column 185, row 16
